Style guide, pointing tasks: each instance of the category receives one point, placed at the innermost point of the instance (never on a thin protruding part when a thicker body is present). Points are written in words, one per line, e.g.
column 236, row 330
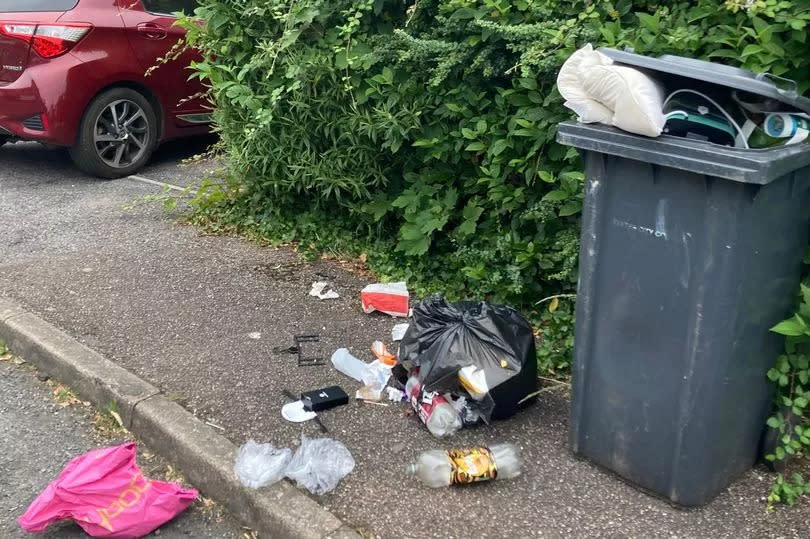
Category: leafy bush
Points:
column 791, row 375
column 423, row 133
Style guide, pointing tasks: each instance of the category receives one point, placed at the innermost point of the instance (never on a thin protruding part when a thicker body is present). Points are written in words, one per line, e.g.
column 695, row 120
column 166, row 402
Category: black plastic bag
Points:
column 444, row 338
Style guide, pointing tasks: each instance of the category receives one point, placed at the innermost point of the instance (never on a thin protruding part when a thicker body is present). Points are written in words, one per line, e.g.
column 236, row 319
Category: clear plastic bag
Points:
column 319, row 464
column 258, row 465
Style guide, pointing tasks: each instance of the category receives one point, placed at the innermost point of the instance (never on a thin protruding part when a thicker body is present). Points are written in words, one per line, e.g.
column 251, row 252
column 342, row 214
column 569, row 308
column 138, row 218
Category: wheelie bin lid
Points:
column 757, row 166
column 763, row 84
column 747, row 166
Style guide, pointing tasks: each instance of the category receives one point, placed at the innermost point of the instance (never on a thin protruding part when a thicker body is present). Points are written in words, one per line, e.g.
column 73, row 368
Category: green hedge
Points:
column 422, row 133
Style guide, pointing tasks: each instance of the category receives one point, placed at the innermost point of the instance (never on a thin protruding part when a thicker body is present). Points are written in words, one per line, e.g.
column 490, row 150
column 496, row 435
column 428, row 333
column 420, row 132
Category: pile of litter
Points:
column 456, row 364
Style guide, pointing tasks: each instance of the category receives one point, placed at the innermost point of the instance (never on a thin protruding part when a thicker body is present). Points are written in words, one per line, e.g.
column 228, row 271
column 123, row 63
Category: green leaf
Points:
column 499, row 146
column 476, row 147
column 751, row 49
column 471, row 214
column 464, row 13
column 341, row 60
column 724, row 53
column 528, row 83
column 780, row 453
column 759, row 24
column 570, row 208
column 790, row 327
column 468, row 133
column 555, row 196
column 650, row 22
column 773, row 422
column 546, row 176
column 425, row 142
column 801, row 402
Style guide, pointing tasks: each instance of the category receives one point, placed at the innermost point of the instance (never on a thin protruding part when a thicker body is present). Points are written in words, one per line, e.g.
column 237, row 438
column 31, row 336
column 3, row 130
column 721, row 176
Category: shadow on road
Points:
column 24, row 158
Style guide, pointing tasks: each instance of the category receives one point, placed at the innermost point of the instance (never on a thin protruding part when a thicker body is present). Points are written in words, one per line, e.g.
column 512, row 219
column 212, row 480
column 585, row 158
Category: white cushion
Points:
column 599, row 91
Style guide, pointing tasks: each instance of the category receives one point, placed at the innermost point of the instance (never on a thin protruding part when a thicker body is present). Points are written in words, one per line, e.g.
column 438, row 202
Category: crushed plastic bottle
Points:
column 438, row 415
column 349, row 365
column 439, row 468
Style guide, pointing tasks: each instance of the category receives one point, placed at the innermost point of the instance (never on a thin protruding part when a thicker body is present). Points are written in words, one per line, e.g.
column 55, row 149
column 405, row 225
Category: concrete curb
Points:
column 204, row 456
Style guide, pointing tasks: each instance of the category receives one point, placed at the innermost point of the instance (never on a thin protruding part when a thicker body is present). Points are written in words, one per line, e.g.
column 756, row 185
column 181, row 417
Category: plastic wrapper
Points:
column 390, row 298
column 319, row 464
column 106, row 494
column 258, row 465
column 494, row 345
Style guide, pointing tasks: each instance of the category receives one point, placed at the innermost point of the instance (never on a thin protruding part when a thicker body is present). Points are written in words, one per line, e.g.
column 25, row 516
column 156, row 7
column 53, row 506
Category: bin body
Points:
column 690, row 252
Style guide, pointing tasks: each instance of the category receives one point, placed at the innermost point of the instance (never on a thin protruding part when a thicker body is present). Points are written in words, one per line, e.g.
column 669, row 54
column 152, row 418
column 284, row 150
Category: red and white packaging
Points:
column 435, row 411
column 389, row 298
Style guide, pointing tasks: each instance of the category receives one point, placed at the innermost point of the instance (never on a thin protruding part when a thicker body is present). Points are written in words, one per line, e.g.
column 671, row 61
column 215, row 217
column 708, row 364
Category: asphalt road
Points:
column 199, row 316
column 38, row 436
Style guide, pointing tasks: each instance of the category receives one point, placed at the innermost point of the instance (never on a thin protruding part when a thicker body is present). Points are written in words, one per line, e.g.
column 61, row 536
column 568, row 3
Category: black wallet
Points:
column 323, row 399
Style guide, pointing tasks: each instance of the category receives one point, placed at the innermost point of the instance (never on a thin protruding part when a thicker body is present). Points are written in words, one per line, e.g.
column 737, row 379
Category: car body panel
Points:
column 60, row 89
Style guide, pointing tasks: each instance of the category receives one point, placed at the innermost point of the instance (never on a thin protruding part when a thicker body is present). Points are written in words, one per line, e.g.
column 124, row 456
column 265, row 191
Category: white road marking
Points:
column 161, row 184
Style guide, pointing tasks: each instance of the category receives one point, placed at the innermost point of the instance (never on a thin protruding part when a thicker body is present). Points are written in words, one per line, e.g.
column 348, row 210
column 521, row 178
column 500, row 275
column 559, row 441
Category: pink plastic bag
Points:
column 106, row 494
column 388, row 298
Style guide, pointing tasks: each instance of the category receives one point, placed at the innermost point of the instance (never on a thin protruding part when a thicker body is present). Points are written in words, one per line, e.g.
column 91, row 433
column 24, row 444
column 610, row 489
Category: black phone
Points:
column 323, row 399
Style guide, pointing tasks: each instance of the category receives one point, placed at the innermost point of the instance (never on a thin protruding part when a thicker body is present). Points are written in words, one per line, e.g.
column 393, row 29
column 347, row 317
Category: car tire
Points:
column 117, row 135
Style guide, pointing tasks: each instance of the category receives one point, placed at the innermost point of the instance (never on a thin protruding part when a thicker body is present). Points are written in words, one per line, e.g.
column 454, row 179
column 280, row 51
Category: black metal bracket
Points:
column 304, row 361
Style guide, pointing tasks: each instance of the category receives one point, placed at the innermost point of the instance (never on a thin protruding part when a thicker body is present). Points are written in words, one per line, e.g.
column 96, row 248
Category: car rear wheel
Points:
column 117, row 135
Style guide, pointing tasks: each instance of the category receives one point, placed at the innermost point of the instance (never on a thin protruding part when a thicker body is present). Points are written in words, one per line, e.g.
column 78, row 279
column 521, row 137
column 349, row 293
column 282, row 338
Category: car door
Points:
column 152, row 34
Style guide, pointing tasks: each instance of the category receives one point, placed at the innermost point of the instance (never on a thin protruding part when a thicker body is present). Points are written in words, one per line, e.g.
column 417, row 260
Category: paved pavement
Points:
column 38, row 436
column 182, row 311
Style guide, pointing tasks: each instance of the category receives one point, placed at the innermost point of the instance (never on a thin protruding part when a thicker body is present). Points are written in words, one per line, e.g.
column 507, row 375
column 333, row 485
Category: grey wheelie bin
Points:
column 690, row 252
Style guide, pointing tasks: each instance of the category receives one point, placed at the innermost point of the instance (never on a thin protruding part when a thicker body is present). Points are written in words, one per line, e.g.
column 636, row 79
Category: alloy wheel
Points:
column 121, row 133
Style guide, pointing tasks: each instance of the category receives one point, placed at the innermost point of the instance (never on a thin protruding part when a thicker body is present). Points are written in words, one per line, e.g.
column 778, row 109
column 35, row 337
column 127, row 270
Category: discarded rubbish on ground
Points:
column 296, row 411
column 374, row 375
column 439, row 468
column 317, row 465
column 258, row 465
column 303, row 359
column 322, row 290
column 482, row 353
column 467, row 363
column 106, row 494
column 390, row 299
column 396, row 395
column 297, row 349
column 324, row 399
column 398, row 331
column 681, row 97
column 433, row 409
column 381, row 352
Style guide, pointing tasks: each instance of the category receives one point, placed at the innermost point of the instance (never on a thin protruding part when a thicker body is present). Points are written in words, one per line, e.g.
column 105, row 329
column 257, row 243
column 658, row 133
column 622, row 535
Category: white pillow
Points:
column 599, row 91
column 635, row 99
column 569, row 83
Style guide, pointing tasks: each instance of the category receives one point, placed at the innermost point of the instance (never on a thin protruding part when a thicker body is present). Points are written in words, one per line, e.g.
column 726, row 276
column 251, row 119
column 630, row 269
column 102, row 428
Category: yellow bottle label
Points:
column 472, row 465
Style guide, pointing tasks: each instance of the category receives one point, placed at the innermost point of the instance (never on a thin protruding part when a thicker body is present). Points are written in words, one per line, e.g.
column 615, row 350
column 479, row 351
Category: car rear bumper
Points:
column 33, row 107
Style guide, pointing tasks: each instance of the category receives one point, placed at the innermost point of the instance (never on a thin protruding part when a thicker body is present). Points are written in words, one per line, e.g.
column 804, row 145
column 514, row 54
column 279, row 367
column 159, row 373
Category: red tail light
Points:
column 47, row 40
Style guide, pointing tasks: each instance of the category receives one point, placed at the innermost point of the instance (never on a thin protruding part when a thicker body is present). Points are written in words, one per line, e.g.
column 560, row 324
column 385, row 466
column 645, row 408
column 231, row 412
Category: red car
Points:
column 73, row 74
